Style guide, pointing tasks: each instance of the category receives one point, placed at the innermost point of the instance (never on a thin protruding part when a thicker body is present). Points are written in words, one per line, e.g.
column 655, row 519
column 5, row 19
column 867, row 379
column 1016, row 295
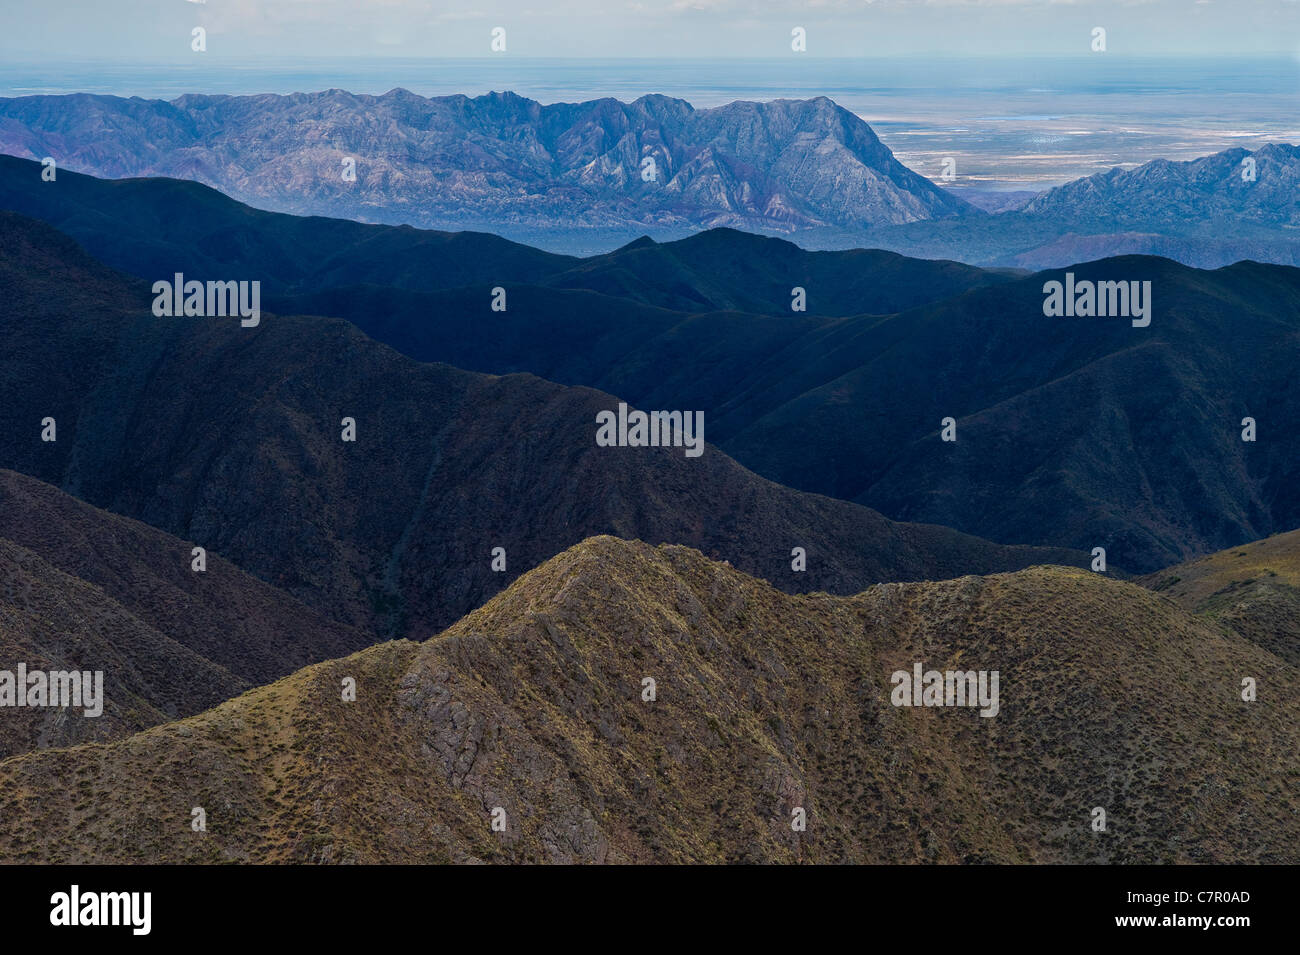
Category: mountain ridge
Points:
column 153, row 227
column 231, row 437
column 764, row 703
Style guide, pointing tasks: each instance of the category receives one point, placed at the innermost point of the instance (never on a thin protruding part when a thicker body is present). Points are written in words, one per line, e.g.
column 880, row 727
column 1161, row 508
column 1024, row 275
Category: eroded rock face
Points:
column 498, row 159
column 1233, row 185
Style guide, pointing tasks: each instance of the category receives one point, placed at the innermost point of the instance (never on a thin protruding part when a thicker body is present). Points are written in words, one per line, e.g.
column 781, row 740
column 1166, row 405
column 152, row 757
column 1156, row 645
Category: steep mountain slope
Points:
column 233, row 437
column 156, row 227
column 1122, row 437
column 1109, row 696
column 50, row 620
column 497, row 160
column 85, row 590
column 254, row 631
column 1254, row 590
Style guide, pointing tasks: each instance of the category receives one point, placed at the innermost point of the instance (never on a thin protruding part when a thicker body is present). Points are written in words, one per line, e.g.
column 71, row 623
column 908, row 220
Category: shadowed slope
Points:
column 89, row 591
column 256, row 632
column 232, row 437
column 1062, row 448
column 156, row 227
column 52, row 621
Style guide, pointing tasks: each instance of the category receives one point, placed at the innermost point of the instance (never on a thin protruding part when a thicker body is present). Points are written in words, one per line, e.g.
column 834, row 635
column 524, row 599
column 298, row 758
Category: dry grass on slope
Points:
column 765, row 702
column 1253, row 590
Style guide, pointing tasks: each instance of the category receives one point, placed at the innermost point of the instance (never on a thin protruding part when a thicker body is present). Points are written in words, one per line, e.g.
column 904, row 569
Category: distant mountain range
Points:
column 1207, row 213
column 1262, row 187
column 574, row 176
column 534, row 711
column 1056, row 446
column 496, row 161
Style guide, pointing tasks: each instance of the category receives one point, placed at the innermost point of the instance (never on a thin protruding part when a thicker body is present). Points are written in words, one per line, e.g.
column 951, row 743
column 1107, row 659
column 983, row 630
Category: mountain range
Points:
column 232, row 437
column 1055, row 447
column 153, row 227
column 1262, row 187
column 1207, row 213
column 572, row 176
column 366, row 586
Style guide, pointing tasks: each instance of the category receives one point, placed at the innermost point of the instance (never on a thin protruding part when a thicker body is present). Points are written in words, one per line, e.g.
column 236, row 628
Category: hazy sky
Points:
column 150, row 30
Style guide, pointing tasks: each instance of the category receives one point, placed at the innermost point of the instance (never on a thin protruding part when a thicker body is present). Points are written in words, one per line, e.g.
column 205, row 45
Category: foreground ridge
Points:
column 527, row 732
